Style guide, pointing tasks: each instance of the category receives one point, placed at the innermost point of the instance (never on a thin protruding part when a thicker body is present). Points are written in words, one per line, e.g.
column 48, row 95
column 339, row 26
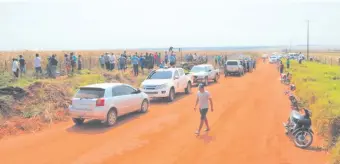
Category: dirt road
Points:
column 246, row 127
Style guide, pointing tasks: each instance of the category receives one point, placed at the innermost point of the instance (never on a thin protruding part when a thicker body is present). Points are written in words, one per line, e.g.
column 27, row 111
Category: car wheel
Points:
column 171, row 95
column 144, row 107
column 206, row 81
column 78, row 121
column 111, row 118
column 188, row 89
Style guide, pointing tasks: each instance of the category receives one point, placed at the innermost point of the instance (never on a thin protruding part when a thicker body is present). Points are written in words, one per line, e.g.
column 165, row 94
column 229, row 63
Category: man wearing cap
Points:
column 203, row 97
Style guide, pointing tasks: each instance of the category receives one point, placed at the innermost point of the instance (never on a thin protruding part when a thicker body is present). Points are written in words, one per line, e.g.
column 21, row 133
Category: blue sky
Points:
column 29, row 24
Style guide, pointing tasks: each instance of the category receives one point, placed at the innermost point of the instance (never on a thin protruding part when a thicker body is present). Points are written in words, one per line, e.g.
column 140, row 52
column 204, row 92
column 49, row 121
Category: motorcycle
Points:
column 299, row 129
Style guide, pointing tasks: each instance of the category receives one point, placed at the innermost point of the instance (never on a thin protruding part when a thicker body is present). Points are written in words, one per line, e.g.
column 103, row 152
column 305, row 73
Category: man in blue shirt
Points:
column 134, row 61
column 172, row 60
column 142, row 63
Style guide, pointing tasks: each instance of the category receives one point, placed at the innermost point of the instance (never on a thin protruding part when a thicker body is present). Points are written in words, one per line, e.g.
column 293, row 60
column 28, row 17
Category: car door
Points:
column 134, row 99
column 211, row 72
column 121, row 99
column 177, row 81
column 182, row 79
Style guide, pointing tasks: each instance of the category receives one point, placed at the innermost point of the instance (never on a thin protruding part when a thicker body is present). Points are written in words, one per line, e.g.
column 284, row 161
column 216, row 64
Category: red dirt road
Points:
column 246, row 127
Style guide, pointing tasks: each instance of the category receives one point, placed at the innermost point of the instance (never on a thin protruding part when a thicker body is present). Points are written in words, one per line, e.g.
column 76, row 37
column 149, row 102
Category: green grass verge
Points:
column 318, row 87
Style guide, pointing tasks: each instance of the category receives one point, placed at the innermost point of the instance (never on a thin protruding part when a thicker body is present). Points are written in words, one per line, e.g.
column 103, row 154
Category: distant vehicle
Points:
column 204, row 73
column 273, row 59
column 106, row 102
column 165, row 83
column 233, row 67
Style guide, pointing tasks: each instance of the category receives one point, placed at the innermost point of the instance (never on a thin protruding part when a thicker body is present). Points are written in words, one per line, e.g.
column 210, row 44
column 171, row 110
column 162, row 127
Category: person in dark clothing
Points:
column 142, row 63
column 79, row 62
column 53, row 66
column 22, row 64
column 281, row 67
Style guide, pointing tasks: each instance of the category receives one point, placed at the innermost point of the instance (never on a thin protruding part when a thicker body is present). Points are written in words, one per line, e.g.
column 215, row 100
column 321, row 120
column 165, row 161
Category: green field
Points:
column 318, row 87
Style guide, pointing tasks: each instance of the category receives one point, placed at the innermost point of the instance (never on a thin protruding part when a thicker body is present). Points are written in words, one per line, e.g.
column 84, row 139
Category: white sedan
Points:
column 106, row 102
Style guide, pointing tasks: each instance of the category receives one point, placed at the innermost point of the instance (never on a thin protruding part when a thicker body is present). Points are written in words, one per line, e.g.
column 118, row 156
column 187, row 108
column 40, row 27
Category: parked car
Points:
column 204, row 73
column 165, row 83
column 106, row 102
column 273, row 59
column 233, row 67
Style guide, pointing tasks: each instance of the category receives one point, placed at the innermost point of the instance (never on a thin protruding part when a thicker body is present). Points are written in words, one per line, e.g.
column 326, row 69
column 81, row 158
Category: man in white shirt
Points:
column 15, row 67
column 203, row 97
column 37, row 64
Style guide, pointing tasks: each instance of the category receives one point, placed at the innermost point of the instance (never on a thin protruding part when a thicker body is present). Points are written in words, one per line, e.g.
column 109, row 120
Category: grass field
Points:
column 318, row 86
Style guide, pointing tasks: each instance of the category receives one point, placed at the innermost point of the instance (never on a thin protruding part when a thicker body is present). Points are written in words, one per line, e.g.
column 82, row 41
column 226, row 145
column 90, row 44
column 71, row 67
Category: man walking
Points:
column 202, row 99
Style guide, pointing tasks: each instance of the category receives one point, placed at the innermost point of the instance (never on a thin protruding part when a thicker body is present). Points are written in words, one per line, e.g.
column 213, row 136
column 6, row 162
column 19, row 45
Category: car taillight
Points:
column 100, row 102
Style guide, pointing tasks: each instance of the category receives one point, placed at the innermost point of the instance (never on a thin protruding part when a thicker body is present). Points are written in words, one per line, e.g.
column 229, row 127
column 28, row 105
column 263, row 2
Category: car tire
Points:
column 188, row 89
column 78, row 121
column 144, row 106
column 172, row 94
column 111, row 118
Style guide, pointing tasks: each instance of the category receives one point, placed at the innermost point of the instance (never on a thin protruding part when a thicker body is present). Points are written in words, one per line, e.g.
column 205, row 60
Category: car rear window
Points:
column 90, row 93
column 232, row 63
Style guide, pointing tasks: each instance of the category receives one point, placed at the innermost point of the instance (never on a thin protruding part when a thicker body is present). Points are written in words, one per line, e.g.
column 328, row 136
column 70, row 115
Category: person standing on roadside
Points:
column 102, row 61
column 134, row 61
column 203, row 99
column 22, row 64
column 142, row 63
column 53, row 66
column 37, row 64
column 122, row 63
column 15, row 67
column 281, row 67
column 288, row 63
column 67, row 64
column 80, row 62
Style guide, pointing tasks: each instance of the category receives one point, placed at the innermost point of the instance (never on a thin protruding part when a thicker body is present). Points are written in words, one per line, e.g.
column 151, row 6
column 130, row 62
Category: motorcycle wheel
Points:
column 303, row 139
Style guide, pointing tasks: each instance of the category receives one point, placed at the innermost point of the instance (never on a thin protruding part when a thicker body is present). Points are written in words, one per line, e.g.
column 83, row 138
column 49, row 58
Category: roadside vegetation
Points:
column 28, row 104
column 318, row 87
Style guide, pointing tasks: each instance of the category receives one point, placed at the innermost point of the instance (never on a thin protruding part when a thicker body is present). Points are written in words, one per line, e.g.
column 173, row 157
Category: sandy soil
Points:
column 246, row 127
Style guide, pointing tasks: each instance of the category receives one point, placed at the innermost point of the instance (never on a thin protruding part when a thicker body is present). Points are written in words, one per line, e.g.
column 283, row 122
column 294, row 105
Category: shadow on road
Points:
column 96, row 126
column 316, row 148
column 206, row 138
column 164, row 101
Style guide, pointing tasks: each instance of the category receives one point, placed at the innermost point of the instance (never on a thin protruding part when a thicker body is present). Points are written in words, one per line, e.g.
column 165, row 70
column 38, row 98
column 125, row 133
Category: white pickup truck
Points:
column 204, row 73
column 165, row 83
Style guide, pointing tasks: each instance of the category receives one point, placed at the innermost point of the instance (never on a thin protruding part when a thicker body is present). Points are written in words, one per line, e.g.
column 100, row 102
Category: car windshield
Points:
column 273, row 57
column 198, row 69
column 90, row 93
column 161, row 75
column 232, row 63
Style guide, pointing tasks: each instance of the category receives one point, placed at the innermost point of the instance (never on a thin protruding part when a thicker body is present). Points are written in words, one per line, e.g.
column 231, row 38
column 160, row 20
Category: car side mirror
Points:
column 137, row 91
column 176, row 77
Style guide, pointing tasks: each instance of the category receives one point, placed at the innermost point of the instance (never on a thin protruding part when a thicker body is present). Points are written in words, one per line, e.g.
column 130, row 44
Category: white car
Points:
column 166, row 82
column 106, row 102
column 204, row 73
column 273, row 59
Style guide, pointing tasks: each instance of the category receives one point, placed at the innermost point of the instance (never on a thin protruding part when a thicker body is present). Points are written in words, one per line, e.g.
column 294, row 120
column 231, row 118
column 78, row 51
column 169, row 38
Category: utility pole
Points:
column 307, row 39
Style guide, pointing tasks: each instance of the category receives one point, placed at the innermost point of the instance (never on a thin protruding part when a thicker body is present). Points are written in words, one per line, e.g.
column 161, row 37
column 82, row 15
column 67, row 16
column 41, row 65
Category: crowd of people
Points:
column 110, row 61
column 70, row 64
